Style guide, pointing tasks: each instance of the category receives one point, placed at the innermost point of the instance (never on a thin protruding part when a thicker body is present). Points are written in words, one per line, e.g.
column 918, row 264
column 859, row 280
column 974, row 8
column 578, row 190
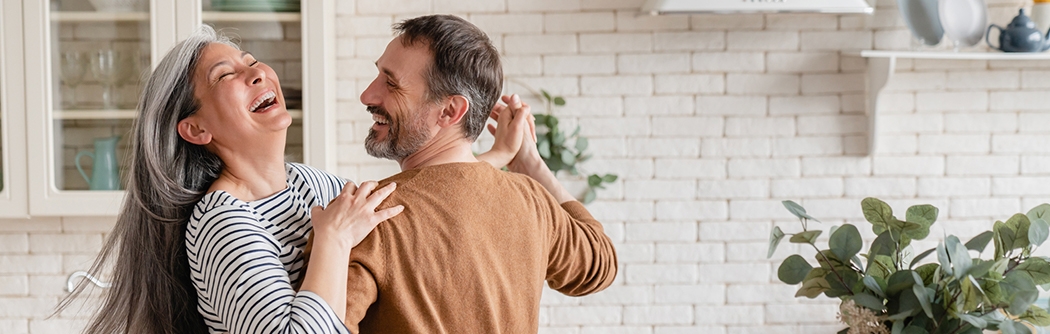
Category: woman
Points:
column 211, row 233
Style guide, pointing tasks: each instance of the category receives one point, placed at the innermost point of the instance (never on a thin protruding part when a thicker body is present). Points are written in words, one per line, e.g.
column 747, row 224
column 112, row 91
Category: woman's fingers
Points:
column 380, row 195
column 388, row 213
column 366, row 188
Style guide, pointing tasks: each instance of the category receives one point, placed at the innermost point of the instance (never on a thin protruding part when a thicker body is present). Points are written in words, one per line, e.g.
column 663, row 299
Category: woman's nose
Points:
column 255, row 75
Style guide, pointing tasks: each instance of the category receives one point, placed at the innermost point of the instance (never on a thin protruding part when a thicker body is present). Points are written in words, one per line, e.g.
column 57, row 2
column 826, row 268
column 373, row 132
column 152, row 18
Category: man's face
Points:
column 397, row 100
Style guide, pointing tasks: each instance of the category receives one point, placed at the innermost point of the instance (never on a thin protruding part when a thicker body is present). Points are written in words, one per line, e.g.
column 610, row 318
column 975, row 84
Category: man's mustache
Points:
column 378, row 111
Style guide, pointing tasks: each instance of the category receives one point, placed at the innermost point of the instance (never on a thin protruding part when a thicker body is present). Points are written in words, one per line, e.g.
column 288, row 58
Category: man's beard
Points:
column 396, row 147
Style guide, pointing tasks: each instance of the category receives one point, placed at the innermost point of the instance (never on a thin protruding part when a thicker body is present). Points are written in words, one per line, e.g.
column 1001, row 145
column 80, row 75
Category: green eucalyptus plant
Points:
column 561, row 151
column 887, row 291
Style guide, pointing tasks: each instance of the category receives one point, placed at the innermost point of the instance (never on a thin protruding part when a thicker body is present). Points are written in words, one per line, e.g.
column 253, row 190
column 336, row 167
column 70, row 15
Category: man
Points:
column 474, row 245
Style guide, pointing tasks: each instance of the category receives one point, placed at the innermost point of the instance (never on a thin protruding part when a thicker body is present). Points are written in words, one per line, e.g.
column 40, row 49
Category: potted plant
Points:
column 887, row 290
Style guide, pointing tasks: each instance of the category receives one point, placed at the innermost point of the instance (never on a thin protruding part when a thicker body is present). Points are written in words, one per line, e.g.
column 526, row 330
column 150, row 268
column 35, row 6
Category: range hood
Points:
column 656, row 7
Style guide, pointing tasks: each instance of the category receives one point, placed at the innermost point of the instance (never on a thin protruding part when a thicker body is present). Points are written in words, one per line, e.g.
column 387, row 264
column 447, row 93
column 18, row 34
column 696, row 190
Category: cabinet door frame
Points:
column 45, row 199
column 13, row 199
column 170, row 22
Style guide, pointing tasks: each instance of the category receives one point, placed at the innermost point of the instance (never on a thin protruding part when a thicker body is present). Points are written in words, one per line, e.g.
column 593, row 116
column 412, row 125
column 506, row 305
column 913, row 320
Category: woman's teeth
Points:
column 266, row 99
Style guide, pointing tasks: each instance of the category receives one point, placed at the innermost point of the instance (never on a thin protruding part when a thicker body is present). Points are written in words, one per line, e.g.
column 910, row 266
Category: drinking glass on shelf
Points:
column 107, row 68
column 130, row 63
column 72, row 69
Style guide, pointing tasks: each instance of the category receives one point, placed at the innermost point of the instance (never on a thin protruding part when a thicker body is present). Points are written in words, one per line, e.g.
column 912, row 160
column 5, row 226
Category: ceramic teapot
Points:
column 1019, row 36
column 104, row 165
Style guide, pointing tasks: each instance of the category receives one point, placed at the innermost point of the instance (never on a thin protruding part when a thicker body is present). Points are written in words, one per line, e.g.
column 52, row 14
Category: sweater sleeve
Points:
column 581, row 258
column 238, row 275
column 361, row 293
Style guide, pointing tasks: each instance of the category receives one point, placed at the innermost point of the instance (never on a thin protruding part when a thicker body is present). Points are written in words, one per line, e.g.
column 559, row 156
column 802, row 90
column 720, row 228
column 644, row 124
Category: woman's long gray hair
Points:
column 152, row 291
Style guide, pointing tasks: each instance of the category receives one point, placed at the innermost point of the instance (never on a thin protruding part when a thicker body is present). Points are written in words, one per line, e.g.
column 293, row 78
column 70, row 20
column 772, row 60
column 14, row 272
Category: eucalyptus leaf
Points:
column 877, row 212
column 1037, row 316
column 898, row 282
column 856, row 262
column 813, row 288
column 914, row 330
column 1019, row 290
column 846, row 242
column 872, row 284
column 609, row 178
column 869, row 301
column 960, row 256
column 880, row 266
column 979, row 242
column 1038, row 231
column 976, row 321
column 1036, row 268
column 921, row 256
column 559, row 101
column 981, row 268
column 591, row 195
column 794, row 269
column 1019, row 224
column 898, row 325
column 557, row 137
column 943, row 260
column 924, row 216
column 594, row 180
column 883, row 245
column 568, row 159
column 544, row 147
column 969, row 295
column 927, row 271
column 797, row 210
column 1013, row 327
column 581, row 144
column 924, row 300
column 1040, row 211
column 807, row 237
column 1003, row 244
column 546, row 95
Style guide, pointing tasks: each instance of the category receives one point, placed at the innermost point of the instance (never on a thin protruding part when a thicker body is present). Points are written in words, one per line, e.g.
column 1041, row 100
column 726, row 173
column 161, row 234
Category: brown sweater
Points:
column 470, row 254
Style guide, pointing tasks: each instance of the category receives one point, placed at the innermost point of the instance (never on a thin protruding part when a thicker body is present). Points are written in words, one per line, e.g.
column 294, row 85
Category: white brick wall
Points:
column 710, row 121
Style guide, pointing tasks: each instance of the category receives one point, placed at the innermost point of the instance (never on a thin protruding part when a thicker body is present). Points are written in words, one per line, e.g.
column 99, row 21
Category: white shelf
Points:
column 99, row 16
column 85, row 114
column 251, row 17
column 882, row 63
column 949, row 55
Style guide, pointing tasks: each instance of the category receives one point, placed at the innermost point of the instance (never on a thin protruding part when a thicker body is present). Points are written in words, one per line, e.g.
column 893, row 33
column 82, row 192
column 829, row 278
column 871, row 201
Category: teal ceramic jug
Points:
column 104, row 161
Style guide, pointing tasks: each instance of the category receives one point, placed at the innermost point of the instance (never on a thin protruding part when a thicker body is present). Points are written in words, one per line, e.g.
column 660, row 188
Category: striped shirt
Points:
column 246, row 258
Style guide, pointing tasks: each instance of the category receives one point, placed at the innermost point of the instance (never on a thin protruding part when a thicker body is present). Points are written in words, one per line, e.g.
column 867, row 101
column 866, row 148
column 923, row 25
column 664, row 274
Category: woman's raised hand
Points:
column 352, row 215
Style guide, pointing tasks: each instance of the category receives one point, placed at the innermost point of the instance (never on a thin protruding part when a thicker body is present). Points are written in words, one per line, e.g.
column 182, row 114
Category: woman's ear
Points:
column 455, row 109
column 192, row 132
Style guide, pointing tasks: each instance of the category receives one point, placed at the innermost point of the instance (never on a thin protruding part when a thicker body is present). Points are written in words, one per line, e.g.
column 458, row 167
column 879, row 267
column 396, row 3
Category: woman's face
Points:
column 240, row 98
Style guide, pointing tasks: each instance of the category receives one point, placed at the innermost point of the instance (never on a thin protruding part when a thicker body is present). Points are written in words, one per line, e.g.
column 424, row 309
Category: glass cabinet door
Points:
column 13, row 201
column 99, row 54
column 271, row 31
column 93, row 55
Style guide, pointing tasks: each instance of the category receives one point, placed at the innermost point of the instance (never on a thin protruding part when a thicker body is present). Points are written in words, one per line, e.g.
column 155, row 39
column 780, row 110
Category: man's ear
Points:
column 192, row 132
column 455, row 109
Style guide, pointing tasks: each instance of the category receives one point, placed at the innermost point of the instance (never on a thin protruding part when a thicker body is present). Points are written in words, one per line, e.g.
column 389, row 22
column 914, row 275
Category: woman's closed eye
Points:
column 252, row 63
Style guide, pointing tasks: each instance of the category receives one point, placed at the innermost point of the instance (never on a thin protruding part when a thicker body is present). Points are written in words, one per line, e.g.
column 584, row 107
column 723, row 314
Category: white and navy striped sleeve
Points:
column 323, row 186
column 238, row 274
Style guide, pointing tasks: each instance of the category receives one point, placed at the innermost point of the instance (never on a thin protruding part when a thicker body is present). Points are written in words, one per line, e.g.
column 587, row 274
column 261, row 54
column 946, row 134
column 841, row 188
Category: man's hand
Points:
column 509, row 131
column 528, row 160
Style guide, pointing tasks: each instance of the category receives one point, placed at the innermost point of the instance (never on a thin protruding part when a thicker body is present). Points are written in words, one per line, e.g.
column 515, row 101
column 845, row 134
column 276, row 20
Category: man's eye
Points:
column 224, row 75
column 253, row 63
column 390, row 84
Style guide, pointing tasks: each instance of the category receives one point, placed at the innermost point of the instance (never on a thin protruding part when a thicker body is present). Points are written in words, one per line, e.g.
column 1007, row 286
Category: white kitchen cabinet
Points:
column 13, row 191
column 83, row 71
